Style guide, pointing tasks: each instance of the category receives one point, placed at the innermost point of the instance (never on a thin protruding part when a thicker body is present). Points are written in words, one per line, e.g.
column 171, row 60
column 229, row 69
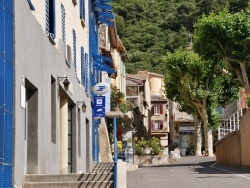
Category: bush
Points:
column 140, row 145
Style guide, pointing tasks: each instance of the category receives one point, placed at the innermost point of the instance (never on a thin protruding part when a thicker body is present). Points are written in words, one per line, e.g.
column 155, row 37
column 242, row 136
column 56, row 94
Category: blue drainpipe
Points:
column 115, row 153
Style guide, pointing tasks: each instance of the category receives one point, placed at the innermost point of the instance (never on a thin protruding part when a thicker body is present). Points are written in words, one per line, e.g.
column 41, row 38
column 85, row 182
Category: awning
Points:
column 104, row 12
column 105, row 1
column 103, row 67
column 103, row 7
column 106, row 15
column 100, row 57
column 100, row 62
column 109, row 23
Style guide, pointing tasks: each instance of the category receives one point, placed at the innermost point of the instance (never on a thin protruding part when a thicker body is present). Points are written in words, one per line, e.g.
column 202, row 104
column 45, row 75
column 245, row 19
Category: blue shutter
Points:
column 83, row 71
column 63, row 15
column 74, row 50
column 82, row 9
column 87, row 88
column 50, row 18
column 47, row 15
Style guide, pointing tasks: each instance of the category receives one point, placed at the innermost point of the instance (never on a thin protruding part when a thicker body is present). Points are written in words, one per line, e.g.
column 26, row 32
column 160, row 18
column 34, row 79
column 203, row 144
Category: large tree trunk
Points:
column 207, row 134
column 208, row 141
column 198, row 140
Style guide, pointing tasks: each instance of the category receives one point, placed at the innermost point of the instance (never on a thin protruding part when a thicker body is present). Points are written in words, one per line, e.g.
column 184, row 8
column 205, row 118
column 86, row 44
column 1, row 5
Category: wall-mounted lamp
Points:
column 84, row 106
column 66, row 82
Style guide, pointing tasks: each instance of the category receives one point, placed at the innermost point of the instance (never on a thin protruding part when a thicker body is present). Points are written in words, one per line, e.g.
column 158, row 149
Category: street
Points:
column 189, row 172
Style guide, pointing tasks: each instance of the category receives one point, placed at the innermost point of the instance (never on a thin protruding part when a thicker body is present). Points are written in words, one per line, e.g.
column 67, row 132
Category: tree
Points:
column 226, row 37
column 196, row 82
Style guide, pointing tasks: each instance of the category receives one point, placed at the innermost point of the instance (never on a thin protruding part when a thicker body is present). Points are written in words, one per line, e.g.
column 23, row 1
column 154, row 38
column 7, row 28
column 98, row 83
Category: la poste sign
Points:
column 101, row 88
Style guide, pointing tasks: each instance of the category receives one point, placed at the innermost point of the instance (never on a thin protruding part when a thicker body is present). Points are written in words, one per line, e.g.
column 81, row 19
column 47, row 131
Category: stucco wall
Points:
column 37, row 60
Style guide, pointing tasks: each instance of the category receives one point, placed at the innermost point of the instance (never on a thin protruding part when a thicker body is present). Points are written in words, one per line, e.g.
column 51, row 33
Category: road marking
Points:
column 212, row 166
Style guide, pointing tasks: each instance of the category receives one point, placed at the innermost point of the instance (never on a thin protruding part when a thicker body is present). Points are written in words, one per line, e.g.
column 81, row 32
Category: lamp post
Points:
column 114, row 115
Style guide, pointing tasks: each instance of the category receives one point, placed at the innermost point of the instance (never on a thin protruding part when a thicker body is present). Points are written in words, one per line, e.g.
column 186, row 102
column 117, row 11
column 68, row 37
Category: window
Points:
column 156, row 125
column 79, row 132
column 50, row 19
column 74, row 52
column 132, row 91
column 83, row 66
column 87, row 88
column 158, row 109
column 67, row 49
column 31, row 5
column 53, row 110
column 82, row 9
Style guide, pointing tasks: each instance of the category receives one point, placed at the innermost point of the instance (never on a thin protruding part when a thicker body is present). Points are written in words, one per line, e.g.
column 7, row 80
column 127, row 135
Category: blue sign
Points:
column 99, row 106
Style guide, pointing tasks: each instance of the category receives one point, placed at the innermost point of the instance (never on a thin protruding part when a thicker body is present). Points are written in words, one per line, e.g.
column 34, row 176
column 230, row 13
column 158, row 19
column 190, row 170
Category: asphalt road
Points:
column 190, row 172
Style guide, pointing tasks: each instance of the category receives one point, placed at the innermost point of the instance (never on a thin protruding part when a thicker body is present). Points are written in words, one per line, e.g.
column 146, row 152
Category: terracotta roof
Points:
column 157, row 98
column 138, row 76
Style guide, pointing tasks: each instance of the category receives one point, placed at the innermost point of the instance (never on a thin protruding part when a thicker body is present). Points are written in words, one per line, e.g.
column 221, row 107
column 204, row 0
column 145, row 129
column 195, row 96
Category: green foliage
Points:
column 248, row 100
column 227, row 39
column 140, row 145
column 118, row 101
column 198, row 85
column 150, row 28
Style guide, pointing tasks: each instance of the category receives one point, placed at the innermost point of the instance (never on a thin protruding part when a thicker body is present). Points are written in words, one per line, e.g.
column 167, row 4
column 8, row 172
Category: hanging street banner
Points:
column 99, row 106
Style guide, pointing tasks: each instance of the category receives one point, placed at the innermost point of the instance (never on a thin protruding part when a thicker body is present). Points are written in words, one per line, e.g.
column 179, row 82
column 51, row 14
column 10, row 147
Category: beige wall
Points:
column 245, row 139
column 72, row 22
column 228, row 150
column 234, row 148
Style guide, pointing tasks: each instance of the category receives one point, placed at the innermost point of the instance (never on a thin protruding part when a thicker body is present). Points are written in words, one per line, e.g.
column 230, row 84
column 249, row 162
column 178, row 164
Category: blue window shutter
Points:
column 87, row 88
column 74, row 50
column 83, row 71
column 82, row 9
column 50, row 17
column 63, row 15
column 47, row 15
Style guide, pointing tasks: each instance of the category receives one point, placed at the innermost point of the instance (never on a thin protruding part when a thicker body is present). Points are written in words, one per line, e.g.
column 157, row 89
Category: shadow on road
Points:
column 207, row 166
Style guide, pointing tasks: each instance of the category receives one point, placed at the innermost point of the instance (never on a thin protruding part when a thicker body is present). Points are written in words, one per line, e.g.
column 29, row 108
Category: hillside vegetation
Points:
column 151, row 28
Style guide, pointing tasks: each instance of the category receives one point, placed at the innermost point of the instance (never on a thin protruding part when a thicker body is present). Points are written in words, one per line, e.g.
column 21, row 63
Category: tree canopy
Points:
column 226, row 36
column 198, row 84
column 151, row 28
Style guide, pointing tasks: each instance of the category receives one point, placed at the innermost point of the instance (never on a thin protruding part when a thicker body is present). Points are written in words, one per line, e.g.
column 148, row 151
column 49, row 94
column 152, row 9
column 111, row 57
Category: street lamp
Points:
column 66, row 82
column 84, row 106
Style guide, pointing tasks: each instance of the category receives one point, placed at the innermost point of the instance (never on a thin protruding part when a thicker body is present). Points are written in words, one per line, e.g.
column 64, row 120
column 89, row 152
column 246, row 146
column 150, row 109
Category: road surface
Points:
column 190, row 172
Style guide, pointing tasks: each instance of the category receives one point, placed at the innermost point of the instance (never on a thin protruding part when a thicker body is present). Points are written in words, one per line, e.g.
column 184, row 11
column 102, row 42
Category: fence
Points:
column 230, row 124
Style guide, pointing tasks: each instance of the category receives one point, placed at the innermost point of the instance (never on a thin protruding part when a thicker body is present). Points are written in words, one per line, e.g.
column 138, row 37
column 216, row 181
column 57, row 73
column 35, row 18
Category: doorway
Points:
column 31, row 131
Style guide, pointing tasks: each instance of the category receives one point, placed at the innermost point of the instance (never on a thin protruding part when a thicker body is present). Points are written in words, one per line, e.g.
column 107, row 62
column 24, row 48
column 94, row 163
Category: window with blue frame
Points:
column 32, row 7
column 83, row 66
column 74, row 53
column 63, row 16
column 50, row 19
column 87, row 88
column 82, row 9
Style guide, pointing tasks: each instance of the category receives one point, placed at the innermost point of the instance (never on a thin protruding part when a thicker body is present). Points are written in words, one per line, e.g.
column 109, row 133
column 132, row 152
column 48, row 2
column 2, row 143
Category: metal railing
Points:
column 230, row 124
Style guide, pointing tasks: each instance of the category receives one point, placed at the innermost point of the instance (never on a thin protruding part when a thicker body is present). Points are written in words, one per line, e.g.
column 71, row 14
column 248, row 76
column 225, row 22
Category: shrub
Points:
column 140, row 145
